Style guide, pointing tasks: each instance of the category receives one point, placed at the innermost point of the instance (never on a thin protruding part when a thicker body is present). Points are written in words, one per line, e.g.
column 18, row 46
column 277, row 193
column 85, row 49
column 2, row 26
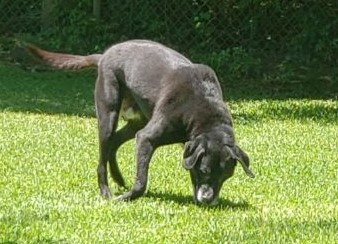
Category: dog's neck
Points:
column 206, row 120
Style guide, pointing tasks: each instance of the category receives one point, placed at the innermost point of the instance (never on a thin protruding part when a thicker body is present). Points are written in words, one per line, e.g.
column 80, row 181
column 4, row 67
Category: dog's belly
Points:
column 130, row 110
column 130, row 114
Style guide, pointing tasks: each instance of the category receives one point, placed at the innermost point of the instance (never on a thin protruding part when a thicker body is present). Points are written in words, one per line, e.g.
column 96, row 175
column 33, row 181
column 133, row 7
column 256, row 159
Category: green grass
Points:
column 48, row 184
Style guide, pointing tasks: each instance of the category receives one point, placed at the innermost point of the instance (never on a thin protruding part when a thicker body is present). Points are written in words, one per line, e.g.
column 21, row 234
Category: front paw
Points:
column 125, row 197
column 130, row 195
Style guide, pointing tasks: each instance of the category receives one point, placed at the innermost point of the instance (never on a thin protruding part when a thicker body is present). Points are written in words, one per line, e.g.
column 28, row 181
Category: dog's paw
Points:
column 128, row 196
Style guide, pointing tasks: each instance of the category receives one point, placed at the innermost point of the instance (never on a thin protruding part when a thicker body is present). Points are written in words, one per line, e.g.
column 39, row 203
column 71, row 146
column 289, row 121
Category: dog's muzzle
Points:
column 205, row 194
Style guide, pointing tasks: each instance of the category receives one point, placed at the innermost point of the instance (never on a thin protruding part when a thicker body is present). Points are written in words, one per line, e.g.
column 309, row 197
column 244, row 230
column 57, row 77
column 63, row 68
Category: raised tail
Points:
column 62, row 60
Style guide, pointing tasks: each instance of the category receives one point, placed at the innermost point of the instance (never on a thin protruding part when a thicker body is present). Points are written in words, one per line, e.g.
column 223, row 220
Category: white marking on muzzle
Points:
column 205, row 194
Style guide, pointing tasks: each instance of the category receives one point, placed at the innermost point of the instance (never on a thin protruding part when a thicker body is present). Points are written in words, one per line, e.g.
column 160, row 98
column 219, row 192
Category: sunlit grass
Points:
column 49, row 190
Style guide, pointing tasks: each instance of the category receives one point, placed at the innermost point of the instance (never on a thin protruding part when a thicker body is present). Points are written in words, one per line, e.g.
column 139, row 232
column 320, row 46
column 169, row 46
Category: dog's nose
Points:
column 205, row 194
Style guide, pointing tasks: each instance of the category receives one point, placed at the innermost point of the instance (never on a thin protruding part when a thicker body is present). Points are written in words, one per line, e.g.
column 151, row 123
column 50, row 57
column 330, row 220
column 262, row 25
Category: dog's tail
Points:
column 62, row 60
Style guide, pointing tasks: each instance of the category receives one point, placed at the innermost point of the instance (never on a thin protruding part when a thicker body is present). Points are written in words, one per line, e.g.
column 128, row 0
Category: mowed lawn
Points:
column 48, row 182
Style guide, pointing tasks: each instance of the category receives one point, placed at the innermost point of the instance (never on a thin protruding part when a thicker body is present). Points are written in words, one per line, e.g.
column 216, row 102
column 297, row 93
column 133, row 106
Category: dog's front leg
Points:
column 147, row 140
column 145, row 150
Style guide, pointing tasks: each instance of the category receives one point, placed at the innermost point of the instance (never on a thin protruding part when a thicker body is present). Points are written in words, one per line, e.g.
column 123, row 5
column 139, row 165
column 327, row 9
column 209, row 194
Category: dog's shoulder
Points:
column 195, row 79
column 208, row 81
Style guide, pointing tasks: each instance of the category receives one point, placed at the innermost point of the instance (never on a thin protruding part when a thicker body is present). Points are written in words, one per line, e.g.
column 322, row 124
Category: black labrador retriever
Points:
column 165, row 99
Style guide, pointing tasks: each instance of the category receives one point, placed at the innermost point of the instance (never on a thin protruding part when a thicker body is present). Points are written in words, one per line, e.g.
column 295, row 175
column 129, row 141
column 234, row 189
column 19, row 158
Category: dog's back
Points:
column 145, row 71
column 135, row 62
column 132, row 52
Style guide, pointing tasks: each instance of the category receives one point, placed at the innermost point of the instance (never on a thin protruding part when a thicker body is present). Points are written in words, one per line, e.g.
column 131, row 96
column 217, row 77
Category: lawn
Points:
column 48, row 184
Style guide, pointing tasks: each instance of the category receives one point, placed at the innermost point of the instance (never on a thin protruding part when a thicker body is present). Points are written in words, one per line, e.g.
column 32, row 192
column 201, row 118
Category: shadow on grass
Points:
column 223, row 204
column 48, row 92
column 295, row 110
column 71, row 93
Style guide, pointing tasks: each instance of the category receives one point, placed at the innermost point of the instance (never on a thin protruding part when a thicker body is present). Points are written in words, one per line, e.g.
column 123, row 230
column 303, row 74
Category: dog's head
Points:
column 211, row 159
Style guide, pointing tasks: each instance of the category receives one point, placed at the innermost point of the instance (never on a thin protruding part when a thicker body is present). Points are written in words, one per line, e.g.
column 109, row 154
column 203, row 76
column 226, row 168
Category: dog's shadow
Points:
column 223, row 204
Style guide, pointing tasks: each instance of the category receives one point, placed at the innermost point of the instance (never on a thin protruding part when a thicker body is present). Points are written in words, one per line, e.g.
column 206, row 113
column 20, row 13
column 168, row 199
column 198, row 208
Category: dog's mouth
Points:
column 205, row 194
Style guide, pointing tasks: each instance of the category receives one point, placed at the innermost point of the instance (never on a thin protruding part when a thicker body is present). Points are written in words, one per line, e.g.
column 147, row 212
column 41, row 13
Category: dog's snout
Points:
column 208, row 194
column 205, row 194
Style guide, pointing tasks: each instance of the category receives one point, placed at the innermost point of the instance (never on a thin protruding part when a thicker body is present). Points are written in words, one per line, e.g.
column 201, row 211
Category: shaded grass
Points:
column 47, row 92
column 48, row 154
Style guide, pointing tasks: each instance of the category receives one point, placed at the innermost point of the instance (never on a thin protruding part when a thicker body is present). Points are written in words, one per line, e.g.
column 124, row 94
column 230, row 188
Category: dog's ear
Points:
column 238, row 154
column 193, row 151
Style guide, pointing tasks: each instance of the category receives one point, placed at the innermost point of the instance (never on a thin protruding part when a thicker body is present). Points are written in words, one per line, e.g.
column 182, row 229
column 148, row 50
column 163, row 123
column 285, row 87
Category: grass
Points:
column 49, row 194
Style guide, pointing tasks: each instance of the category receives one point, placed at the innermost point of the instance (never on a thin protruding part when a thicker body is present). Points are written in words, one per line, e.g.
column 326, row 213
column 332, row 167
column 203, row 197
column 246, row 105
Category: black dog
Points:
column 165, row 99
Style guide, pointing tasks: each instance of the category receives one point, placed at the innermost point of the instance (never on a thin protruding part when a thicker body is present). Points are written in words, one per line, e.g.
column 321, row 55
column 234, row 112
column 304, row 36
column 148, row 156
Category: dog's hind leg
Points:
column 107, row 102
